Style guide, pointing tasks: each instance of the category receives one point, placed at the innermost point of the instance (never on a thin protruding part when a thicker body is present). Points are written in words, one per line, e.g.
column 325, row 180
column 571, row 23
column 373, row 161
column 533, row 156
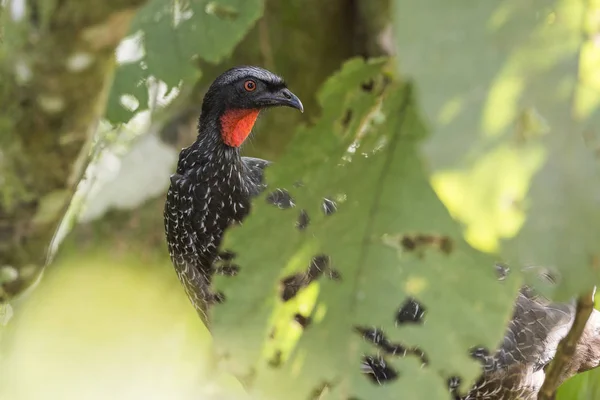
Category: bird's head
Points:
column 237, row 96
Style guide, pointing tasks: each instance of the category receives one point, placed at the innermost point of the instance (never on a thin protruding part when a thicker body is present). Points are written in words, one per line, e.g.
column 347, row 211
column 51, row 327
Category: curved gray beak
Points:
column 282, row 97
column 291, row 100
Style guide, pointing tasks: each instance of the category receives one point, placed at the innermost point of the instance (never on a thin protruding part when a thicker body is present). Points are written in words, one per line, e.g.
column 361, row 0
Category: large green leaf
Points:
column 384, row 202
column 175, row 34
column 510, row 90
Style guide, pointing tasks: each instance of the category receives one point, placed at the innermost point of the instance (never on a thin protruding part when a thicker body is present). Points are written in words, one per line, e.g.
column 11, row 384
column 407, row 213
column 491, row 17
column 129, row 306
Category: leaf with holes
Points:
column 380, row 239
column 511, row 91
column 174, row 34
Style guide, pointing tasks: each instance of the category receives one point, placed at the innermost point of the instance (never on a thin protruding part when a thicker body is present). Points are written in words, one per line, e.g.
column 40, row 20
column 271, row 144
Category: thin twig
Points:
column 566, row 347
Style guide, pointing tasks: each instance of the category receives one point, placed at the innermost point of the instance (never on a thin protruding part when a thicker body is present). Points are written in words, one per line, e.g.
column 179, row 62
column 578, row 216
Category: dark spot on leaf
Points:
column 377, row 337
column 221, row 11
column 483, row 355
column 368, row 86
column 421, row 241
column 303, row 220
column 227, row 270
column 421, row 354
column 291, row 285
column 218, row 297
column 408, row 243
column 377, row 369
column 454, row 382
column 446, row 245
column 334, row 274
column 453, row 386
column 502, row 271
column 329, row 206
column 272, row 334
column 280, row 198
column 317, row 392
column 227, row 255
column 479, row 352
column 410, row 312
column 318, row 264
column 347, row 118
column 276, row 360
column 549, row 276
column 302, row 320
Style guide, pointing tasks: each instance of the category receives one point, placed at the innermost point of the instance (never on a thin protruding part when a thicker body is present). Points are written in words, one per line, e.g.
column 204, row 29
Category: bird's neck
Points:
column 236, row 125
column 210, row 145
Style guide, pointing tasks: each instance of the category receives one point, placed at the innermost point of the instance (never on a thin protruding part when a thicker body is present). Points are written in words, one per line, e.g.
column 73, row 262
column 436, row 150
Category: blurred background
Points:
column 109, row 319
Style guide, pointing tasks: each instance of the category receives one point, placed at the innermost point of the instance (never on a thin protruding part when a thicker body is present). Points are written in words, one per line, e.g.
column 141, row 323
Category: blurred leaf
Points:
column 390, row 238
column 511, row 86
column 584, row 386
column 108, row 323
column 176, row 33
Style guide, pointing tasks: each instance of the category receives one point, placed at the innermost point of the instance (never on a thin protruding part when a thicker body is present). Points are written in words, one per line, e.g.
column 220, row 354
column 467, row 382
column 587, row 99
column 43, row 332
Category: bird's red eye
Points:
column 249, row 86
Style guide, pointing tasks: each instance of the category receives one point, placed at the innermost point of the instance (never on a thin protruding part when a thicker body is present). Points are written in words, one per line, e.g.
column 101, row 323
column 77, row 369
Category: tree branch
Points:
column 566, row 348
column 56, row 63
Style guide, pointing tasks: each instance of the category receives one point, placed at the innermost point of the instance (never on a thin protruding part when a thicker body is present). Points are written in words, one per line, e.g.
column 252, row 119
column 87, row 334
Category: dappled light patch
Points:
column 222, row 11
column 516, row 162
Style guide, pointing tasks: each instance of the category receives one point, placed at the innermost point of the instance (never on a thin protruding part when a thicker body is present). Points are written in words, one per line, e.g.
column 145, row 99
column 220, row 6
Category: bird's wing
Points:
column 254, row 171
column 182, row 240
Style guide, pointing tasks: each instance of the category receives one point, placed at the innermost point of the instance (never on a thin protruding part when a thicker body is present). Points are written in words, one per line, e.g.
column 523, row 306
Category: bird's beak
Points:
column 283, row 97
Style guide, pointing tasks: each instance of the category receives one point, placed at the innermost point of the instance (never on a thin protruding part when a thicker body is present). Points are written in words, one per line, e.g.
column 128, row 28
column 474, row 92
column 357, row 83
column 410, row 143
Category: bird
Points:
column 212, row 190
column 213, row 185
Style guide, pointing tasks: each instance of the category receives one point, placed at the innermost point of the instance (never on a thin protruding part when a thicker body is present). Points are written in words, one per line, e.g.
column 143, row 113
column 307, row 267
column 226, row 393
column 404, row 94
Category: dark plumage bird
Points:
column 213, row 187
column 214, row 184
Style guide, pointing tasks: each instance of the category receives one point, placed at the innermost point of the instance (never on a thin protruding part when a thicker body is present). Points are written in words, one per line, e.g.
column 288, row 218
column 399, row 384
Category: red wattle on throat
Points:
column 236, row 125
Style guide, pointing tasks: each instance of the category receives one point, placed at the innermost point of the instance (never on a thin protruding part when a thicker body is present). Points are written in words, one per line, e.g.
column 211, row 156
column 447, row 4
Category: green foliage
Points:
column 508, row 91
column 366, row 159
column 107, row 322
column 582, row 387
column 175, row 34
